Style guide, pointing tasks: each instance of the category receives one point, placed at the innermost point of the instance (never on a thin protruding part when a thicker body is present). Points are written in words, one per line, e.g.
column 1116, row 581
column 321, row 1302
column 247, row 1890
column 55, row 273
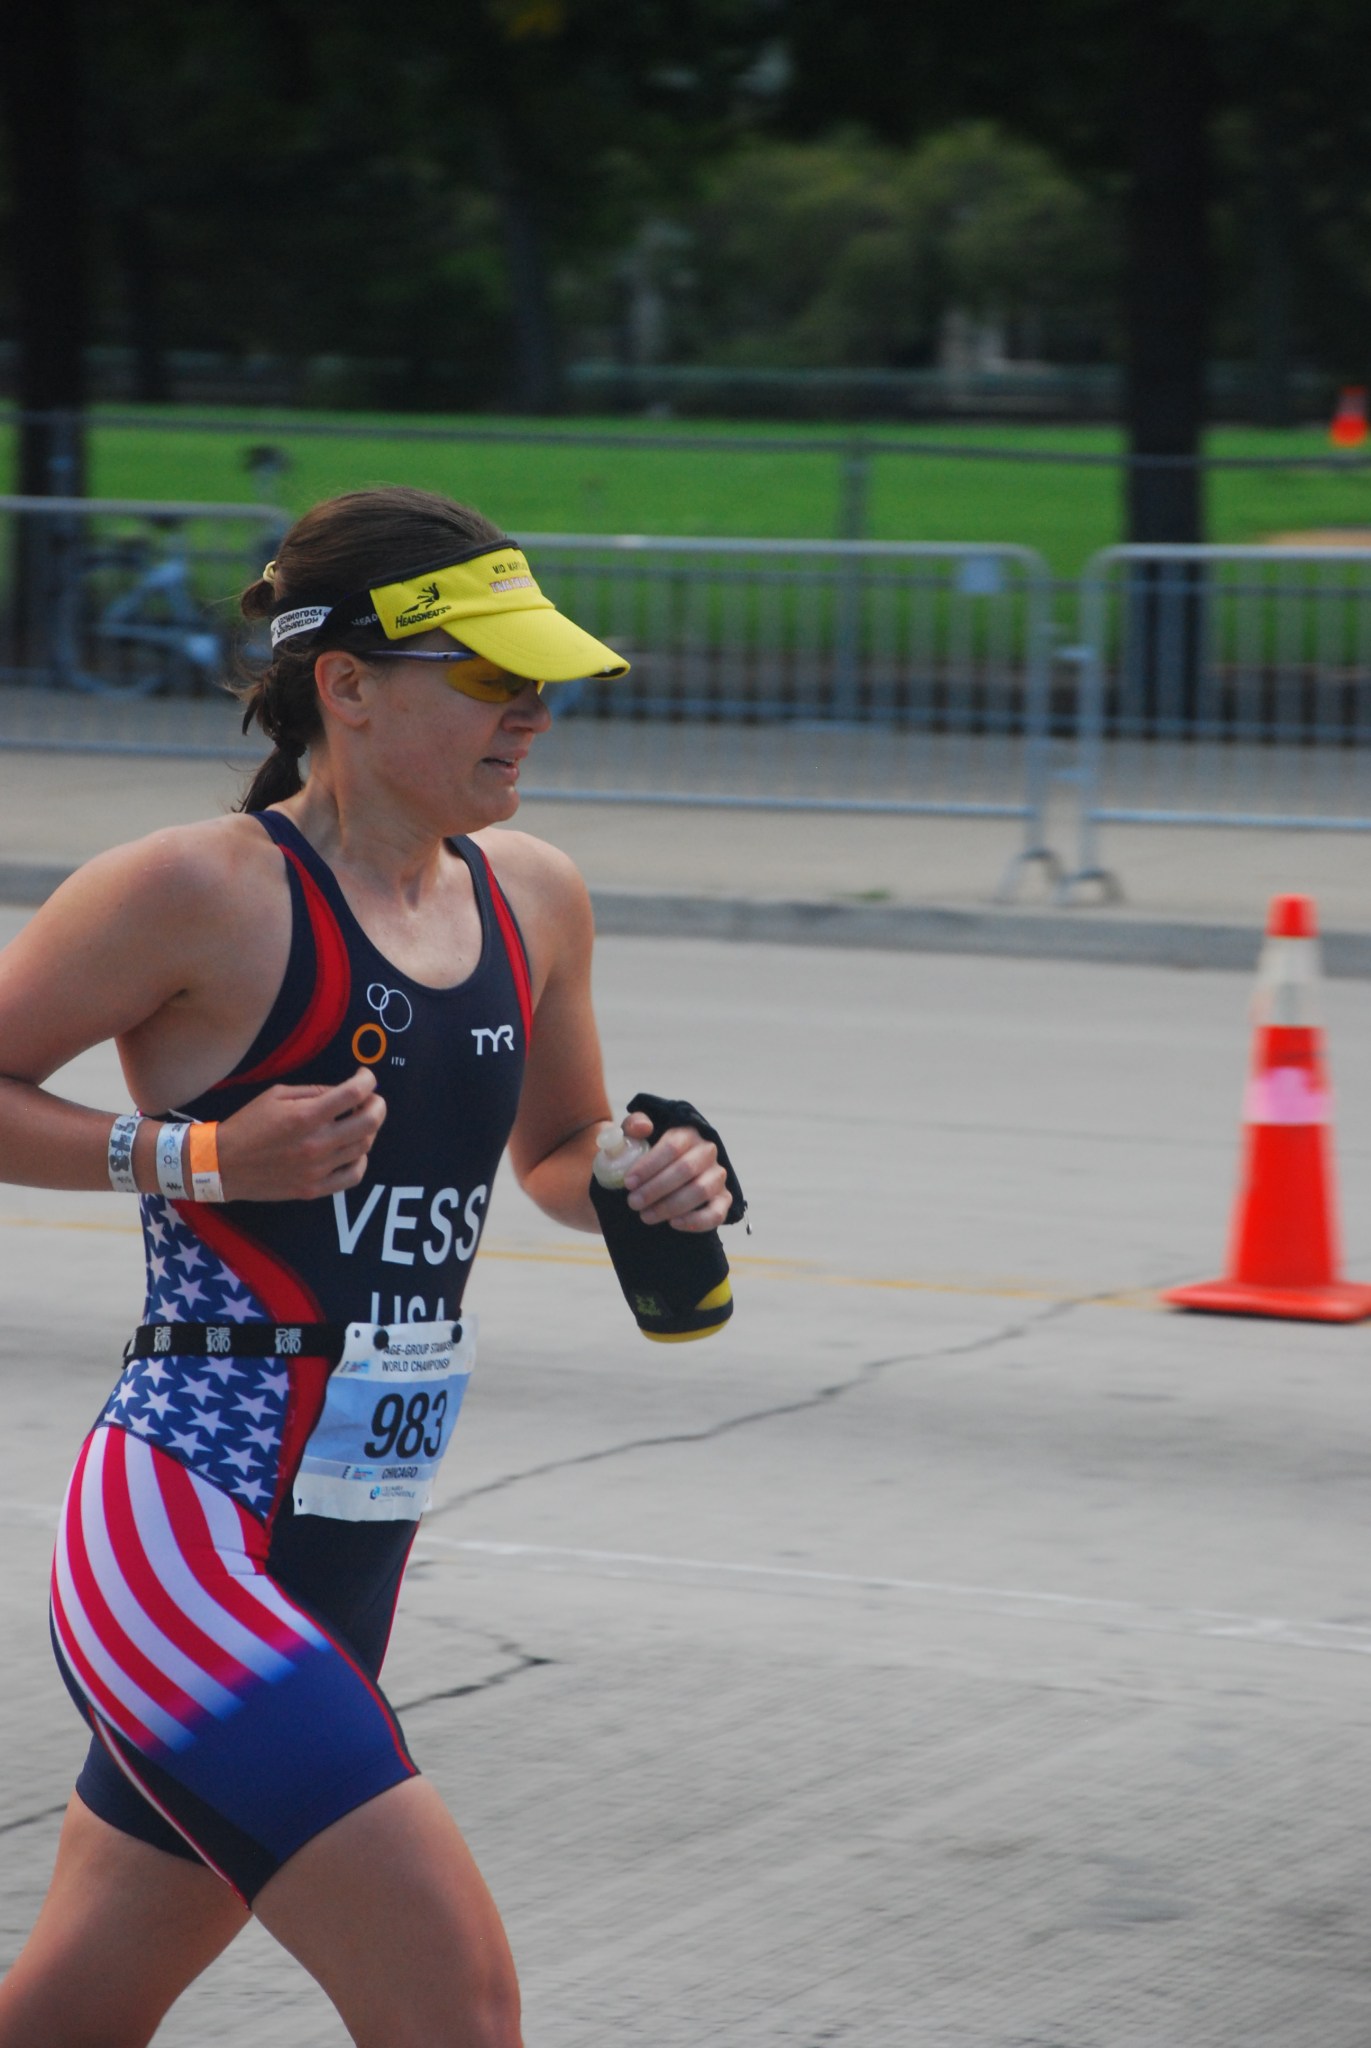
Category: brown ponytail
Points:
column 346, row 544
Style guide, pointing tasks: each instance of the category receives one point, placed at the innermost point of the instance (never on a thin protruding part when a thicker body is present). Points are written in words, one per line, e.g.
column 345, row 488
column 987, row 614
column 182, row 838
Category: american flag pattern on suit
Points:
column 159, row 1606
column 222, row 1417
column 198, row 1673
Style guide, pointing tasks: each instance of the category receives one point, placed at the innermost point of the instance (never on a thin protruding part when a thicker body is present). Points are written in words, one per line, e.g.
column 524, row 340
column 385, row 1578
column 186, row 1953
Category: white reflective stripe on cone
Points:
column 1287, row 982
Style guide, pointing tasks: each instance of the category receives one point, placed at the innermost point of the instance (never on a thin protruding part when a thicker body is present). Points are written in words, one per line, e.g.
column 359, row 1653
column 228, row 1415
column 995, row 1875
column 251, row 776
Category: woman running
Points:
column 334, row 1010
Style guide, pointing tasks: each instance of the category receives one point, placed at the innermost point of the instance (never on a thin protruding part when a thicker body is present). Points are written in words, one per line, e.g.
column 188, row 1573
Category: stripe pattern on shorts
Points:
column 219, row 1695
column 160, row 1603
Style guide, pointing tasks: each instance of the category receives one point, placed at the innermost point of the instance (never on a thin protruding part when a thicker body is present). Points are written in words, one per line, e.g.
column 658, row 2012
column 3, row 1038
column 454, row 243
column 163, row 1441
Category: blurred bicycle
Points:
column 128, row 622
column 127, row 619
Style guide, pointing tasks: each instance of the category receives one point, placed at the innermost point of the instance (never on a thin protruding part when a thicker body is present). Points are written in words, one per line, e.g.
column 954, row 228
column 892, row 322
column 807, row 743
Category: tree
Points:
column 579, row 116
column 45, row 134
column 404, row 187
column 1133, row 97
column 847, row 252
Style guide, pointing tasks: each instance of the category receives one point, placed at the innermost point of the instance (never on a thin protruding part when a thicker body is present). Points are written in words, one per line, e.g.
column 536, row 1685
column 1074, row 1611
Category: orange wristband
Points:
column 205, row 1184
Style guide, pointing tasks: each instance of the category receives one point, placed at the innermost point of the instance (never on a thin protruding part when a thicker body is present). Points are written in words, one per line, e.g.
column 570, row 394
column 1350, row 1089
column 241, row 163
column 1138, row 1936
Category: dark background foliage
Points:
column 449, row 205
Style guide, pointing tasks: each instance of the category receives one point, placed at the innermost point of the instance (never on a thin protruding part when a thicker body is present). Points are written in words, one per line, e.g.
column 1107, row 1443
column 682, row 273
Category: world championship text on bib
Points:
column 392, row 1402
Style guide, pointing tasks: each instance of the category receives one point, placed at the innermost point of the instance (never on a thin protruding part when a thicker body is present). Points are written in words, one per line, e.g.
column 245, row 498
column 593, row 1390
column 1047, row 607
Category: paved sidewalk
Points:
column 1192, row 897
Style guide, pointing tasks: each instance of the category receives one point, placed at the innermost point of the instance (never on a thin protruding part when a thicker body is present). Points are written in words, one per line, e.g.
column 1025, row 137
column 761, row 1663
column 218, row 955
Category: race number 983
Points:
column 397, row 1425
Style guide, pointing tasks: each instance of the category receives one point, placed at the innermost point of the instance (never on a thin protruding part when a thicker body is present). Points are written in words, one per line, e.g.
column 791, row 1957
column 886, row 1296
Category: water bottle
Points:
column 615, row 1153
column 675, row 1281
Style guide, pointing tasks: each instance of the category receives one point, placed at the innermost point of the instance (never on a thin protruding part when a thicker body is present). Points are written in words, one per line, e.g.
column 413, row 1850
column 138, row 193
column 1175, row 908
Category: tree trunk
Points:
column 143, row 300
column 537, row 372
column 40, row 99
column 1167, row 274
column 1167, row 318
column 1274, row 285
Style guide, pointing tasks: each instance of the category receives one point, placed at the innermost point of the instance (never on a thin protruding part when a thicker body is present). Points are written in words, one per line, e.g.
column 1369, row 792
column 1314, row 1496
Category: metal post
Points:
column 1090, row 735
column 1041, row 640
column 57, row 550
column 62, row 462
column 847, row 634
column 854, row 485
column 847, row 623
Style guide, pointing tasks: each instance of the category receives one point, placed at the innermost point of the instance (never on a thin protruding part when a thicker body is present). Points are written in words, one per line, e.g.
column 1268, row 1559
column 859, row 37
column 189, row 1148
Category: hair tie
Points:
column 284, row 742
column 269, row 573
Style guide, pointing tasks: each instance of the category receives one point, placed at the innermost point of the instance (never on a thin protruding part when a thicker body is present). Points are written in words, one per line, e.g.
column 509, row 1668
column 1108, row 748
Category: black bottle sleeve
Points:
column 667, row 1274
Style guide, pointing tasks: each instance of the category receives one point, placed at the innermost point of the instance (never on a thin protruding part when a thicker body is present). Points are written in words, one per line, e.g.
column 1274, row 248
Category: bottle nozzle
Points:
column 615, row 1152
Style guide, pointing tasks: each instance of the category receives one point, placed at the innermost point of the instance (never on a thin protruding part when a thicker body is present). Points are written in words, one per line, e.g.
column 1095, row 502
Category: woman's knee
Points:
column 495, row 2017
column 480, row 2008
column 486, row 2016
column 389, row 1913
column 122, row 1932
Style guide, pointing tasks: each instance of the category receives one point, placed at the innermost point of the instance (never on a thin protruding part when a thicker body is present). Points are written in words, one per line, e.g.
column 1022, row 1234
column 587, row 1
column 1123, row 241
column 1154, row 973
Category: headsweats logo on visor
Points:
column 427, row 608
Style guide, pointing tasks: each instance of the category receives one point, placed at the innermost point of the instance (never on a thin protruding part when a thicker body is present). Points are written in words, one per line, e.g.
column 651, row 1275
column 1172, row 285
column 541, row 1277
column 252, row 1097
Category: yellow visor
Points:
column 492, row 604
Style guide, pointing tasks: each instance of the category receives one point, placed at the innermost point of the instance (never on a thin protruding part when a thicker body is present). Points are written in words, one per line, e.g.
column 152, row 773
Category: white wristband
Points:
column 120, row 1155
column 171, row 1179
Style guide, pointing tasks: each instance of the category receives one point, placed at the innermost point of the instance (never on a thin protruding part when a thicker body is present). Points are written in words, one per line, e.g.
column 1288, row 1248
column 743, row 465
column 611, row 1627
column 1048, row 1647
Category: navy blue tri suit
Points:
column 223, row 1647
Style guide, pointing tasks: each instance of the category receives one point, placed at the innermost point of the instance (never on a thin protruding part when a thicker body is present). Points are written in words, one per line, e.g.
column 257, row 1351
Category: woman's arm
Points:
column 135, row 936
column 564, row 1102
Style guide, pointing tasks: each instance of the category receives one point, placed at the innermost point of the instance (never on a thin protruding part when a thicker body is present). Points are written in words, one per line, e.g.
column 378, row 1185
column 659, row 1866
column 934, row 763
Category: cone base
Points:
column 1336, row 1301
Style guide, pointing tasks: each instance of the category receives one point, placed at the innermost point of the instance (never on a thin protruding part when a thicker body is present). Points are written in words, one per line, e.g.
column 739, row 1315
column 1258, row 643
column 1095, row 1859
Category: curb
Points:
column 25, row 884
column 917, row 928
column 1083, row 935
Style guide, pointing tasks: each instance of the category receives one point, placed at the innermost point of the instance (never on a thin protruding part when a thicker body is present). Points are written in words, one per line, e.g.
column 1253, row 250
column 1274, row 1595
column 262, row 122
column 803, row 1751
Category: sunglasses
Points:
column 500, row 689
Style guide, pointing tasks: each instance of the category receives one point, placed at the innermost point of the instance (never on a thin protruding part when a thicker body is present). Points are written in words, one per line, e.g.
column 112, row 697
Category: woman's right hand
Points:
column 295, row 1144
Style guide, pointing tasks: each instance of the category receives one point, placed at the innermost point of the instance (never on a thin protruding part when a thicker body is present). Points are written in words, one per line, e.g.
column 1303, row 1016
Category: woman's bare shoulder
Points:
column 548, row 896
column 171, row 916
column 533, row 873
column 175, row 871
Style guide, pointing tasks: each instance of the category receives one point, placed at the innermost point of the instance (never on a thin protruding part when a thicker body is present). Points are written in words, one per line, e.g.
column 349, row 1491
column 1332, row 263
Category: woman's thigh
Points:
column 387, row 1910
column 122, row 1932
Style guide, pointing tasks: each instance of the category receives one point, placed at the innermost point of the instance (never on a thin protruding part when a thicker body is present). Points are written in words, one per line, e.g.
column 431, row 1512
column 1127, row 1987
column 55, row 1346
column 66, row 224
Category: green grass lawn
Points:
column 1066, row 513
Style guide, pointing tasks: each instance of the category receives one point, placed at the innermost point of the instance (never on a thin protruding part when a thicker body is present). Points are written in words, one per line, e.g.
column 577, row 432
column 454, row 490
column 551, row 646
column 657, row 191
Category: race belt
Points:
column 236, row 1340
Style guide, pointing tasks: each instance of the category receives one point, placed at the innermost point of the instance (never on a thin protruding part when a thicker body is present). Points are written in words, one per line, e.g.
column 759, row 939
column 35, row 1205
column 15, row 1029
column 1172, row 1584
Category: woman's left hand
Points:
column 680, row 1181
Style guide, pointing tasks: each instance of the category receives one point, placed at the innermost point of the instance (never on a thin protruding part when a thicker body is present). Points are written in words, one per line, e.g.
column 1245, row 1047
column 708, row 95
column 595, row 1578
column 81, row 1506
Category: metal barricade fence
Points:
column 118, row 620
column 1223, row 686
column 843, row 676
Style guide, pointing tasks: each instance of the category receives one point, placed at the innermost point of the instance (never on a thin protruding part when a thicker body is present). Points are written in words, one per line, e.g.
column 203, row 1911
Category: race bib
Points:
column 388, row 1416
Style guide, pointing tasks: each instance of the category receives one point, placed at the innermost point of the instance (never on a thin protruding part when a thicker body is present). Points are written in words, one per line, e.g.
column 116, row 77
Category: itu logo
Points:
column 394, row 1014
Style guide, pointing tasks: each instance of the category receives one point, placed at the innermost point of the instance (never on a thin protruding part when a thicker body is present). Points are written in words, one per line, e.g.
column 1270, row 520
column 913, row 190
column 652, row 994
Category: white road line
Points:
column 1014, row 1602
column 1348, row 1638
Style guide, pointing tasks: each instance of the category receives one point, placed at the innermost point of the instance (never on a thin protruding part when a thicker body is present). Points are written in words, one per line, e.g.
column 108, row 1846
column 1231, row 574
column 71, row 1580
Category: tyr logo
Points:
column 500, row 1036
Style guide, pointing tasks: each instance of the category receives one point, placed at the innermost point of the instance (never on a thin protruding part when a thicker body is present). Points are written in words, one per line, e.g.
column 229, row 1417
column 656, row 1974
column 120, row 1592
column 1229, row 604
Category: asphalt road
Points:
column 960, row 1651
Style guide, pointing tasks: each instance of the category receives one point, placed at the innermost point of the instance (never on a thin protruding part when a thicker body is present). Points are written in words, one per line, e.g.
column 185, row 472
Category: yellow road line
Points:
column 798, row 1270
column 67, row 1223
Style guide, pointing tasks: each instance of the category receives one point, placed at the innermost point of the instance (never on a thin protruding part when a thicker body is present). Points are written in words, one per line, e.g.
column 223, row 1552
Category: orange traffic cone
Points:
column 1348, row 426
column 1283, row 1255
